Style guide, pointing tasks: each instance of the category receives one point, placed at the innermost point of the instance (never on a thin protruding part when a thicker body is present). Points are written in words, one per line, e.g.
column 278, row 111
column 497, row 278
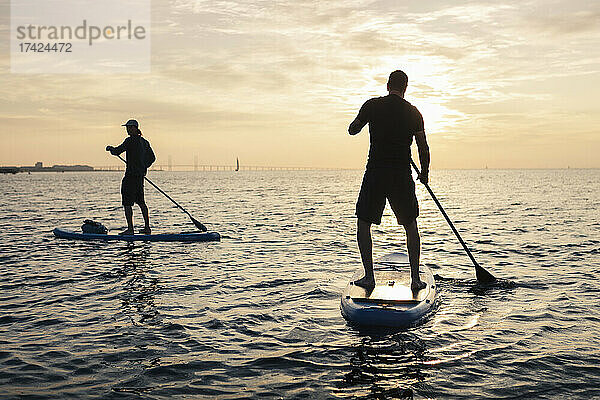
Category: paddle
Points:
column 198, row 224
column 482, row 275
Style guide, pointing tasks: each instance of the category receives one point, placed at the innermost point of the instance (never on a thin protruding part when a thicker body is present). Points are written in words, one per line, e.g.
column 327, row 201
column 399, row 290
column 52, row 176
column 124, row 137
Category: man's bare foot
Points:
column 417, row 285
column 365, row 283
column 127, row 232
column 146, row 231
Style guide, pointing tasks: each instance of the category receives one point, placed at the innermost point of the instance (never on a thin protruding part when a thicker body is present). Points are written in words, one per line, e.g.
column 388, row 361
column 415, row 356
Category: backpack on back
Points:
column 149, row 156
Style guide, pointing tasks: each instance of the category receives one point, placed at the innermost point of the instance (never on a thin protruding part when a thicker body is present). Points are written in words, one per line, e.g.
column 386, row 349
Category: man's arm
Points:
column 356, row 126
column 361, row 119
column 115, row 151
column 423, row 147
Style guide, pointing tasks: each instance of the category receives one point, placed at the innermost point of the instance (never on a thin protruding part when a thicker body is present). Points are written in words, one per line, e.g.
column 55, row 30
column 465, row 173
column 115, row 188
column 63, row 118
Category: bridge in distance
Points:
column 207, row 167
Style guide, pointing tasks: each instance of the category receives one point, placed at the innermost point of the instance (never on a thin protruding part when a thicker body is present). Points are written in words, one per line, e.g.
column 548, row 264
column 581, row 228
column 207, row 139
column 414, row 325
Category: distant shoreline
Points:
column 54, row 168
column 86, row 168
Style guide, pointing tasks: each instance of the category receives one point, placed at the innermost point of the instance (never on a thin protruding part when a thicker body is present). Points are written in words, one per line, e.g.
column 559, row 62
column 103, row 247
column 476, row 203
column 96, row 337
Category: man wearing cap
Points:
column 139, row 156
column 393, row 122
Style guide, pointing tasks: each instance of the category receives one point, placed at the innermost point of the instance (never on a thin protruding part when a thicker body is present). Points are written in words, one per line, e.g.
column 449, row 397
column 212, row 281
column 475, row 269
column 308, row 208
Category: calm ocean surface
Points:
column 257, row 314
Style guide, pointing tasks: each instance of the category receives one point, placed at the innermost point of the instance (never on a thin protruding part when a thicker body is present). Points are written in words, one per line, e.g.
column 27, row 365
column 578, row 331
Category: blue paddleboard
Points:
column 159, row 237
column 391, row 303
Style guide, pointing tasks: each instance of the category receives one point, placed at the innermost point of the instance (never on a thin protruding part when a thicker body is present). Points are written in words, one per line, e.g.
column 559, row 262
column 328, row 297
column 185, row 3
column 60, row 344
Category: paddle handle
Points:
column 160, row 190
column 462, row 242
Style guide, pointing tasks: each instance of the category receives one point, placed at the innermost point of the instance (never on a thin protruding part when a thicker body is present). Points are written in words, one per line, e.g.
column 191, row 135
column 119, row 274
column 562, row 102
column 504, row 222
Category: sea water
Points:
column 257, row 314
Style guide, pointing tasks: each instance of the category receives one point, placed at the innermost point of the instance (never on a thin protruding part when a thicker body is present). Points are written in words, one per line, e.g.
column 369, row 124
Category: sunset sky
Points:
column 277, row 83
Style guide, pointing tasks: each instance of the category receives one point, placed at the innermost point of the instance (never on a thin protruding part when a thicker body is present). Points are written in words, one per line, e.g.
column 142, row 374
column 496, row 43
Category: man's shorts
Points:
column 132, row 190
column 395, row 185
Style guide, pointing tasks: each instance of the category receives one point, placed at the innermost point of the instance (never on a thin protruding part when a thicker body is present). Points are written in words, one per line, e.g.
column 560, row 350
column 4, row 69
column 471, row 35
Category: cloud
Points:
column 555, row 20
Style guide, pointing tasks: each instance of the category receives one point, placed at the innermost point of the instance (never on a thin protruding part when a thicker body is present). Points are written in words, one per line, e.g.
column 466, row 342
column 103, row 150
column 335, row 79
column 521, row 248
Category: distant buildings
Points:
column 9, row 170
column 39, row 167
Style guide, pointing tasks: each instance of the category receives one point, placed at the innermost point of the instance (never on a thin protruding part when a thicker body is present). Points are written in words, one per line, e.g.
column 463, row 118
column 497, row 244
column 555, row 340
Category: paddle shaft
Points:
column 167, row 196
column 464, row 245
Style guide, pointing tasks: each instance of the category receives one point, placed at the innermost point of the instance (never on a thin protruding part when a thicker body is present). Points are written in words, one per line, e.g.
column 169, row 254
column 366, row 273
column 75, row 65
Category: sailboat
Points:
column 237, row 164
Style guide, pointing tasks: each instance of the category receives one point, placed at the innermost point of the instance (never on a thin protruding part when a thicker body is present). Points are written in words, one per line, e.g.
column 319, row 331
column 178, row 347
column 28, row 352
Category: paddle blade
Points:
column 199, row 225
column 483, row 276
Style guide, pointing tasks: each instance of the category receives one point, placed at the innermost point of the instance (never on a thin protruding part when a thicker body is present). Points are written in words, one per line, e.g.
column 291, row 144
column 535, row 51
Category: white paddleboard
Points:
column 391, row 303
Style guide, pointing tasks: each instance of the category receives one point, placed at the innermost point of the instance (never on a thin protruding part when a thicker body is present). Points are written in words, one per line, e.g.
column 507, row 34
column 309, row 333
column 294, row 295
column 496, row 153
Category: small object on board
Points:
column 90, row 226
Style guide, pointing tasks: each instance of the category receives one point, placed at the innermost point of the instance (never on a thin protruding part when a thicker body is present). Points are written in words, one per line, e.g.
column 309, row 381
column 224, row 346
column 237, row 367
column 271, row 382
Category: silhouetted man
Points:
column 139, row 157
column 393, row 122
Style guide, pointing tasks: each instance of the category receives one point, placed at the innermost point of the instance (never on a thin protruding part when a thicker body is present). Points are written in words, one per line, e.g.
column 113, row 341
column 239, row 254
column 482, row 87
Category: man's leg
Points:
column 129, row 218
column 127, row 201
column 365, row 246
column 144, row 209
column 413, row 242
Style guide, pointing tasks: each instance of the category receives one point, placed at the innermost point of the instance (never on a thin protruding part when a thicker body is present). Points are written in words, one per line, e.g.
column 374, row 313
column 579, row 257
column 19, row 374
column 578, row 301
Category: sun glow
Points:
column 427, row 88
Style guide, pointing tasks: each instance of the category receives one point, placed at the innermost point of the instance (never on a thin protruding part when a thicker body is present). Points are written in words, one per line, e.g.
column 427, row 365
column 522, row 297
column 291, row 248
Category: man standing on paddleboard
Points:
column 393, row 122
column 139, row 156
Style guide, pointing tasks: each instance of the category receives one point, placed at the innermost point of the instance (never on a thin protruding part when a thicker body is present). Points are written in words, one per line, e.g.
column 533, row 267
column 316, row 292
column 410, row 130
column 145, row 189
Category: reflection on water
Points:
column 139, row 289
column 388, row 365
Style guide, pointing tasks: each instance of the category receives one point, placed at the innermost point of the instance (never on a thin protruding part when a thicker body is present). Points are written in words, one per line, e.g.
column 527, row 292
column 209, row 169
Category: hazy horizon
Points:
column 276, row 83
column 259, row 167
